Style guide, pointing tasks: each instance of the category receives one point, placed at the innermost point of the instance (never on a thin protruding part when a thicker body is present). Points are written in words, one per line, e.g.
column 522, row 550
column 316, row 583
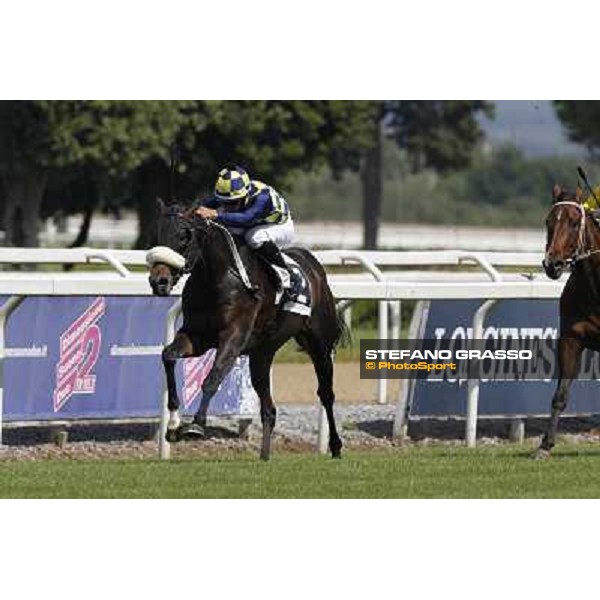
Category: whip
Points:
column 581, row 174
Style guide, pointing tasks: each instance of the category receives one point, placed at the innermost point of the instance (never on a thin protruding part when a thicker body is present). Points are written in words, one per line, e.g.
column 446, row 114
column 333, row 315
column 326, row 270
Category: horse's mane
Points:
column 212, row 228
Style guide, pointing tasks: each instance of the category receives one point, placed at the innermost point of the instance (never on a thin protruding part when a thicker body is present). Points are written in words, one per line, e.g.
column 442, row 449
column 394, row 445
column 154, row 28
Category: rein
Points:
column 237, row 259
column 239, row 270
column 180, row 265
column 581, row 253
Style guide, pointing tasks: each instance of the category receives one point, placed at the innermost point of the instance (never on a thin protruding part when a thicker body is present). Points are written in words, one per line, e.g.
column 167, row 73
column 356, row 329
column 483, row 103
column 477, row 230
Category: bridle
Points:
column 581, row 252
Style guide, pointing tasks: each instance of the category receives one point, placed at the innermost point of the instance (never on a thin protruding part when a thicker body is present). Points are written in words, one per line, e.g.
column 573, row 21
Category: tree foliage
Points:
column 93, row 139
column 436, row 134
column 582, row 121
column 507, row 174
column 83, row 154
column 272, row 139
column 113, row 135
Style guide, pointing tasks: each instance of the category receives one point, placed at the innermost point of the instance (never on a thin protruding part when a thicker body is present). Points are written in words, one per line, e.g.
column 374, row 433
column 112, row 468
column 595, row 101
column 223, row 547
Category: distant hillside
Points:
column 532, row 126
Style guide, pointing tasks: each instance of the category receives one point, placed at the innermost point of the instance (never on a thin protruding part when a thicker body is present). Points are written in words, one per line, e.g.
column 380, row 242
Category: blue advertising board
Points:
column 452, row 319
column 99, row 357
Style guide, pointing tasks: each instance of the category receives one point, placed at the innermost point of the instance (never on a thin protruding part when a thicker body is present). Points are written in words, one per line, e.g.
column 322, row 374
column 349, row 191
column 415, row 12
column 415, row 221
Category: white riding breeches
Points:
column 281, row 234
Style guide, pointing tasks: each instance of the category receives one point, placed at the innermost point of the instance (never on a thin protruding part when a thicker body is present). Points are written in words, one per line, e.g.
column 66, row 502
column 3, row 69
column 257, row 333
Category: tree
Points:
column 273, row 140
column 582, row 121
column 98, row 137
column 435, row 134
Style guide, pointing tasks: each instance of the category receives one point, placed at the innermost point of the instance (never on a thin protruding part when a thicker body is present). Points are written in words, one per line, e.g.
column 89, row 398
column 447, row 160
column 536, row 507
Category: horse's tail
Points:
column 343, row 335
column 327, row 322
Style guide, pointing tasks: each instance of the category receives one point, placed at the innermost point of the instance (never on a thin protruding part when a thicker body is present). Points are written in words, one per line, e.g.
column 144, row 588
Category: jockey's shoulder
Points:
column 590, row 203
column 258, row 187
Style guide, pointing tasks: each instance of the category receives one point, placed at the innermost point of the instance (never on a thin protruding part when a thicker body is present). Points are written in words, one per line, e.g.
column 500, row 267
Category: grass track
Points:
column 423, row 472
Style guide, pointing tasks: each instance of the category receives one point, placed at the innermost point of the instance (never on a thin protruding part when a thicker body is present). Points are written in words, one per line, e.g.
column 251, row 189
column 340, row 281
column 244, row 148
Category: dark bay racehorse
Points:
column 573, row 242
column 220, row 311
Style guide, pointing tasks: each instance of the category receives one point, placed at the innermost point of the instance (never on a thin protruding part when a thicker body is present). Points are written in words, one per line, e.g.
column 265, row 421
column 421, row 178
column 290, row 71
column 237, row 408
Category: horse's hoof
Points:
column 172, row 436
column 193, row 430
column 335, row 448
column 540, row 454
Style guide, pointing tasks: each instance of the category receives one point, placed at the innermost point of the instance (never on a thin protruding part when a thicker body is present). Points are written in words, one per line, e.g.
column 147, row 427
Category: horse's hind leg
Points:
column 261, row 359
column 322, row 360
column 569, row 353
column 260, row 372
column 179, row 348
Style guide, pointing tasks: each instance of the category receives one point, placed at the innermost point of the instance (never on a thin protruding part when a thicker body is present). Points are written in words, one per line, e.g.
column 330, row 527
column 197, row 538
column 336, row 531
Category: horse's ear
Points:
column 160, row 205
column 579, row 194
column 556, row 192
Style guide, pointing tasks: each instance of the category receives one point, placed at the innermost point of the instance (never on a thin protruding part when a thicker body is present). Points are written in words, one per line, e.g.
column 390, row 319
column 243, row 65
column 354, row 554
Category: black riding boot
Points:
column 272, row 254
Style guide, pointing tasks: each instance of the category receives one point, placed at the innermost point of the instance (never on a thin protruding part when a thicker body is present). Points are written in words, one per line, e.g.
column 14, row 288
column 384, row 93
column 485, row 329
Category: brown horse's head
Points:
column 565, row 226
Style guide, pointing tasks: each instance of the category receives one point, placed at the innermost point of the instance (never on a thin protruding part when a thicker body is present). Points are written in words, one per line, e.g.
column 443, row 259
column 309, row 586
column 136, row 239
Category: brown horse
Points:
column 573, row 241
column 228, row 304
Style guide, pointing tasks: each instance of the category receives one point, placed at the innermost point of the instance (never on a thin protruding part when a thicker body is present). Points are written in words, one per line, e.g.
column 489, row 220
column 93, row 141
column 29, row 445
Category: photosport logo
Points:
column 79, row 351
column 195, row 371
column 509, row 355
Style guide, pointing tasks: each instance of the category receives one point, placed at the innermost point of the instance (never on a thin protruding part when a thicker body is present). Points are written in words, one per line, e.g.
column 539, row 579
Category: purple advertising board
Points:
column 519, row 319
column 99, row 357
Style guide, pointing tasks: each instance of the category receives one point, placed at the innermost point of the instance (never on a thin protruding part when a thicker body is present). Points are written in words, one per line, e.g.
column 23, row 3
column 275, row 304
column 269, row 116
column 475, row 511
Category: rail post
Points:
column 323, row 435
column 407, row 386
column 516, row 431
column 383, row 327
column 6, row 310
column 164, row 448
column 396, row 319
column 383, row 309
column 473, row 384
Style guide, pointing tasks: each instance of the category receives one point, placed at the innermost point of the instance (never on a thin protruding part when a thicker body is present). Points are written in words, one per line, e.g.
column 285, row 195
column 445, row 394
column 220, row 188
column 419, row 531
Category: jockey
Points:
column 255, row 211
column 590, row 203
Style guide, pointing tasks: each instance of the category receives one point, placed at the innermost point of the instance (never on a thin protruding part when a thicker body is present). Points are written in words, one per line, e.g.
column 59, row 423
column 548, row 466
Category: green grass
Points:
column 421, row 472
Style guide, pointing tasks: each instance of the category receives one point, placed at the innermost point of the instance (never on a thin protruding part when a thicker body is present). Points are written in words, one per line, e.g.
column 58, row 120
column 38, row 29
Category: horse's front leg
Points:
column 179, row 348
column 228, row 350
column 569, row 354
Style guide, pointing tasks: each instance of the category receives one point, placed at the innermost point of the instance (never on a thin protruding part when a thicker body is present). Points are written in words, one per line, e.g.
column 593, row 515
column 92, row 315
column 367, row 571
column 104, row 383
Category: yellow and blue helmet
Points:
column 232, row 184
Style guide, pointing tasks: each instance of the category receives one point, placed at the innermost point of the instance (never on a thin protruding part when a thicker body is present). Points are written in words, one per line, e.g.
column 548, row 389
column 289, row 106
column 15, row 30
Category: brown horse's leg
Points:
column 180, row 347
column 323, row 364
column 569, row 353
column 260, row 370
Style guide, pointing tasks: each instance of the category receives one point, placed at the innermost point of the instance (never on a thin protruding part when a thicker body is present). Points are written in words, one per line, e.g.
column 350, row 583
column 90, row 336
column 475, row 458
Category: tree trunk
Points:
column 84, row 232
column 23, row 192
column 84, row 228
column 370, row 175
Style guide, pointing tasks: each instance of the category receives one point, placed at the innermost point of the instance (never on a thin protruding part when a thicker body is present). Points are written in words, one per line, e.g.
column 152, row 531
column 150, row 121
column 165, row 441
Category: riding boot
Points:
column 272, row 254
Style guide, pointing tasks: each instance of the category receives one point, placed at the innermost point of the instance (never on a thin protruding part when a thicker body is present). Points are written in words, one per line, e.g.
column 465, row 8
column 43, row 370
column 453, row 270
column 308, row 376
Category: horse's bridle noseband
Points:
column 581, row 252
